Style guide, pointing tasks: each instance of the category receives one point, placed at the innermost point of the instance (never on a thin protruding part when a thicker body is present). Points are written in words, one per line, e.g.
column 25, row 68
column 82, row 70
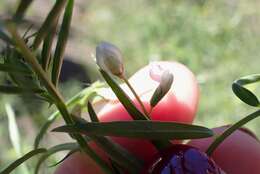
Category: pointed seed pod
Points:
column 163, row 88
column 109, row 58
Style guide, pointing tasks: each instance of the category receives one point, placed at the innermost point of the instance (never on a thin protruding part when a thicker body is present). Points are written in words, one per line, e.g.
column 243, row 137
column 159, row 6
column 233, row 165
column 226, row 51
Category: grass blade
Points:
column 93, row 116
column 46, row 48
column 49, row 22
column 53, row 150
column 123, row 98
column 13, row 129
column 119, row 154
column 15, row 135
column 19, row 161
column 65, row 157
column 21, row 10
column 62, row 42
column 3, row 35
column 139, row 129
column 18, row 90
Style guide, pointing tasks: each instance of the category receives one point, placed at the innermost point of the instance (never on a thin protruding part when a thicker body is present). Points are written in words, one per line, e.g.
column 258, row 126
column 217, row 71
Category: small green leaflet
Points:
column 243, row 93
column 139, row 129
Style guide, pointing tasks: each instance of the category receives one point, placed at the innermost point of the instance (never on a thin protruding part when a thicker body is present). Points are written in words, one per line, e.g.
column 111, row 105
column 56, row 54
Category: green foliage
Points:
column 49, row 22
column 14, row 134
column 244, row 94
column 139, row 129
column 116, row 152
column 123, row 98
column 21, row 10
column 21, row 160
column 217, row 40
column 53, row 150
column 62, row 42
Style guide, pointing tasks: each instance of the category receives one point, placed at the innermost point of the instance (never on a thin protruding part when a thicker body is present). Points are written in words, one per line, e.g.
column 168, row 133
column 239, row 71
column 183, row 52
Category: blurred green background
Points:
column 218, row 40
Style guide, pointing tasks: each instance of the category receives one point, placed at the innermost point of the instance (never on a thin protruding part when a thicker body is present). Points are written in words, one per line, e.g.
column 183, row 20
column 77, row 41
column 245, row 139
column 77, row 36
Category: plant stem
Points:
column 136, row 96
column 58, row 100
column 159, row 144
column 230, row 130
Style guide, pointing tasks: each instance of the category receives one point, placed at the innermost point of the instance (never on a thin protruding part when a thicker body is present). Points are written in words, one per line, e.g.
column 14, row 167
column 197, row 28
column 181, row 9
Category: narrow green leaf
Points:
column 116, row 168
column 21, row 10
column 130, row 107
column 159, row 144
column 116, row 152
column 47, row 47
column 79, row 98
column 248, row 79
column 65, row 157
column 119, row 154
column 139, row 129
column 62, row 42
column 49, row 22
column 15, row 135
column 14, row 69
column 245, row 95
column 58, row 99
column 13, row 129
column 24, row 79
column 123, row 98
column 45, row 127
column 93, row 116
column 53, row 150
column 19, row 161
column 4, row 37
column 18, row 90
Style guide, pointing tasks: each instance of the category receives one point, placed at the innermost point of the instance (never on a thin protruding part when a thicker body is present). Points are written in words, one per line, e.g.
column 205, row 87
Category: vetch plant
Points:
column 151, row 112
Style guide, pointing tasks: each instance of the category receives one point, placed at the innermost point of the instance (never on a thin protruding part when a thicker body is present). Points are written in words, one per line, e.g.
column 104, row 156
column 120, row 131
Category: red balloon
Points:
column 238, row 154
column 179, row 105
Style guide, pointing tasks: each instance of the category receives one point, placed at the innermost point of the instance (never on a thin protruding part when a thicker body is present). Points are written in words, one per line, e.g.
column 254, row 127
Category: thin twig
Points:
column 136, row 96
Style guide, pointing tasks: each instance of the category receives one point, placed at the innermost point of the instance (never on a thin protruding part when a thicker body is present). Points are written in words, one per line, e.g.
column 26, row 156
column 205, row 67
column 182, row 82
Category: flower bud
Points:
column 109, row 58
column 164, row 86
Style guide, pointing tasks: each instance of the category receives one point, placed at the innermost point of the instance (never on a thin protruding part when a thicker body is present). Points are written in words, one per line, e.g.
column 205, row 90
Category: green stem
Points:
column 157, row 143
column 51, row 19
column 136, row 96
column 58, row 100
column 230, row 130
